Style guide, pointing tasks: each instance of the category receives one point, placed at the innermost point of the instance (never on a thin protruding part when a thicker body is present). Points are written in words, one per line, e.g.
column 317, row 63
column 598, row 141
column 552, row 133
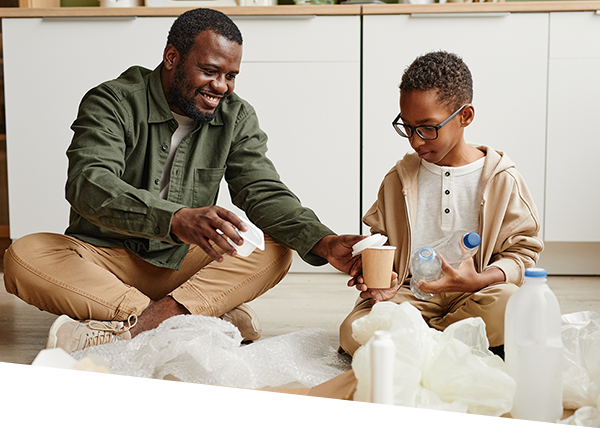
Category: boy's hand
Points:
column 463, row 278
column 376, row 295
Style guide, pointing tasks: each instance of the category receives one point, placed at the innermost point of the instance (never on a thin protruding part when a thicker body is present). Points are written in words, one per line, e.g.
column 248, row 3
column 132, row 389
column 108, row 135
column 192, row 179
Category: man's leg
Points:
column 222, row 286
column 63, row 275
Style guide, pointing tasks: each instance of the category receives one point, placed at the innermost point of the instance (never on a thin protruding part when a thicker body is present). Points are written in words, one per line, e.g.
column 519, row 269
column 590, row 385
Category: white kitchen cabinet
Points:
column 507, row 56
column 306, row 91
column 303, row 81
column 572, row 179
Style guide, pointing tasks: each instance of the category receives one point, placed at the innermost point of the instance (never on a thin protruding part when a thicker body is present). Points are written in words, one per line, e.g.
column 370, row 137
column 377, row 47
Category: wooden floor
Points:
column 300, row 301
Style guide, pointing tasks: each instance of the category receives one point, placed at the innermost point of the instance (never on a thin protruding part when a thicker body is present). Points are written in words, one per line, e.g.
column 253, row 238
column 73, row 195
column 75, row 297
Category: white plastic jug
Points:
column 534, row 350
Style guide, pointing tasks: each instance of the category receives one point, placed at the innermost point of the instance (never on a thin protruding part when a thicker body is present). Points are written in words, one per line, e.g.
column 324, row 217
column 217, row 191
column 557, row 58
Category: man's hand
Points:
column 376, row 295
column 337, row 249
column 463, row 278
column 198, row 226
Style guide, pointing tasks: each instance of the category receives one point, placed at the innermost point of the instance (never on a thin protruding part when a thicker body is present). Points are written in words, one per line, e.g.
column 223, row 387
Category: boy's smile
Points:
column 449, row 148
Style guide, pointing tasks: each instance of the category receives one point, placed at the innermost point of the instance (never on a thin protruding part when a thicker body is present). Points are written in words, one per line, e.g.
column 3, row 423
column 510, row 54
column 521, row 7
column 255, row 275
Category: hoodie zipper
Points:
column 404, row 192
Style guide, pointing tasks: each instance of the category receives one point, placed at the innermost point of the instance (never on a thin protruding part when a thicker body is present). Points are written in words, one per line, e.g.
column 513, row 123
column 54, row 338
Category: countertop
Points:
column 291, row 10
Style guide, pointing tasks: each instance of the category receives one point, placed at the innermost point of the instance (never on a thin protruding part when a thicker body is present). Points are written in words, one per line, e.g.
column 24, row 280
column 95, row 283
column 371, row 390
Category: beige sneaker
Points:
column 73, row 335
column 246, row 320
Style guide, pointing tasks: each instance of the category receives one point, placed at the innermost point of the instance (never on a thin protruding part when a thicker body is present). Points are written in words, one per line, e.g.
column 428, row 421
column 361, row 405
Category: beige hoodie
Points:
column 508, row 218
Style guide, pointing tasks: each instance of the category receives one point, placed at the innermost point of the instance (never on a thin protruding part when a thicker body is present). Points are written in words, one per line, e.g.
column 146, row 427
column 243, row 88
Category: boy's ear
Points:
column 467, row 115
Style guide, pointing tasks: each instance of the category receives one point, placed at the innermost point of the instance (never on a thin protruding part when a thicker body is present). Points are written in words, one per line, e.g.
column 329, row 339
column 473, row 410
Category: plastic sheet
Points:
column 451, row 370
column 581, row 370
column 208, row 350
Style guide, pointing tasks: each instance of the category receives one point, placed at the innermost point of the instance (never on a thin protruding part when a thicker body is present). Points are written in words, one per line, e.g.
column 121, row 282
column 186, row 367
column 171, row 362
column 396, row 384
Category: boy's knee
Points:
column 347, row 341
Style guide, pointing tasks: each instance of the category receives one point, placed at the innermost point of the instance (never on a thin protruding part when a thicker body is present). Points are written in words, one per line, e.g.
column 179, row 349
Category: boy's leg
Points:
column 489, row 303
column 363, row 307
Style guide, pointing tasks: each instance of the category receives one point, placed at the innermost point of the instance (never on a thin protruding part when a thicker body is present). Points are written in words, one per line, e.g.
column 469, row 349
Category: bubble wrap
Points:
column 208, row 350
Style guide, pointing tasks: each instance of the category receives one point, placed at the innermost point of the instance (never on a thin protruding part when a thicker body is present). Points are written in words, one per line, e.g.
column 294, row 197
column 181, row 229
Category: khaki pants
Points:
column 444, row 309
column 63, row 275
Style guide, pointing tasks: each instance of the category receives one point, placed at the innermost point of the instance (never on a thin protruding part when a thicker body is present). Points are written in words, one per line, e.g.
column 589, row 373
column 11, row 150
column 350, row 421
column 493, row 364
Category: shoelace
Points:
column 106, row 332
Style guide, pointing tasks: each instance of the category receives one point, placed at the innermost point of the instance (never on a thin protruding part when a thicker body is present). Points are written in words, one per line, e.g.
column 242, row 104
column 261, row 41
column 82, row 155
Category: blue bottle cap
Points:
column 535, row 272
column 471, row 240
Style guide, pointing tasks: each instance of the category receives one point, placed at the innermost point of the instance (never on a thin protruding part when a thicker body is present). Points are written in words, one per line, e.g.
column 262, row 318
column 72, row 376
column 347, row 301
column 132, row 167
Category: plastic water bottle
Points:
column 534, row 350
column 425, row 264
column 460, row 246
column 383, row 353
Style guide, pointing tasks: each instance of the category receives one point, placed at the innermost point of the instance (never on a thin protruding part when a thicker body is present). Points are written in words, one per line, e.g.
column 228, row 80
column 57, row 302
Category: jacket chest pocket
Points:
column 206, row 186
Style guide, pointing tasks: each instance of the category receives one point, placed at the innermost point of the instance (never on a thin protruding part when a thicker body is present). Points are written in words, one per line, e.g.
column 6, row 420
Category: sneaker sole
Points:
column 52, row 339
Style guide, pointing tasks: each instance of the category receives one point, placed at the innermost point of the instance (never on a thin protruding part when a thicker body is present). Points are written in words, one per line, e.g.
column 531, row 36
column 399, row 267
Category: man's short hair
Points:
column 443, row 72
column 193, row 22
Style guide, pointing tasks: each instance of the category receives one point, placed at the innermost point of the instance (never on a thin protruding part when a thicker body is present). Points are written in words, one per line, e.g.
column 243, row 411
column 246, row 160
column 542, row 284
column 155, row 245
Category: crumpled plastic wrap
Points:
column 451, row 370
column 581, row 370
column 208, row 350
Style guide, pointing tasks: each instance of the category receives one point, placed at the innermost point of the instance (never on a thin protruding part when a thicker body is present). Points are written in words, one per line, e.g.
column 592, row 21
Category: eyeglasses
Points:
column 426, row 132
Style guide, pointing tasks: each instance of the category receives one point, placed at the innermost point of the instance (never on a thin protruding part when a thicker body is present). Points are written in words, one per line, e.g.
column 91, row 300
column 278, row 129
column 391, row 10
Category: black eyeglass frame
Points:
column 399, row 125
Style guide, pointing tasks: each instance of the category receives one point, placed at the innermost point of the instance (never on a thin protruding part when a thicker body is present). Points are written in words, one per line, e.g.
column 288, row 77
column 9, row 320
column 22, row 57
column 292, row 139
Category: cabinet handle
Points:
column 271, row 17
column 87, row 18
column 461, row 15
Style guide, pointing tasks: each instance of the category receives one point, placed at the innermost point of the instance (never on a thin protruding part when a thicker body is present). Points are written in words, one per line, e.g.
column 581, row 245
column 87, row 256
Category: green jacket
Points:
column 116, row 158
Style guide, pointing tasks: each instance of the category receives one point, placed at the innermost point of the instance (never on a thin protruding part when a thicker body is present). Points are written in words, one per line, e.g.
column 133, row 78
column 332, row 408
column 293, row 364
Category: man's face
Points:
column 196, row 86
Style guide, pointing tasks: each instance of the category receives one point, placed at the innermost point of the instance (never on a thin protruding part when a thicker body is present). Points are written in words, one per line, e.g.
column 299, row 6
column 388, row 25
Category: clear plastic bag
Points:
column 581, row 370
column 451, row 370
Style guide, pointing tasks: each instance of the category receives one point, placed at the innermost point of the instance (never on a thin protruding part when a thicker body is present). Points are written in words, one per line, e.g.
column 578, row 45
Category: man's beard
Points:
column 187, row 106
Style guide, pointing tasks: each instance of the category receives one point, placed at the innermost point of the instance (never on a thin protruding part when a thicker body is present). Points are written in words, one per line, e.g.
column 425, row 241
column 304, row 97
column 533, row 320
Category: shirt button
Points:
column 447, row 211
column 447, row 192
column 447, row 173
column 156, row 181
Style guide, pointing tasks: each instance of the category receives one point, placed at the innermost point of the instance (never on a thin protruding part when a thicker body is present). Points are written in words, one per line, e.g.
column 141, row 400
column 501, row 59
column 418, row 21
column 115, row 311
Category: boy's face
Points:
column 423, row 108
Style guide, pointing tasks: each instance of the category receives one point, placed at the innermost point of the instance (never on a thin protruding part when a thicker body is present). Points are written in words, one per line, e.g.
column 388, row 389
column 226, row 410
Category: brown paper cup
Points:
column 377, row 265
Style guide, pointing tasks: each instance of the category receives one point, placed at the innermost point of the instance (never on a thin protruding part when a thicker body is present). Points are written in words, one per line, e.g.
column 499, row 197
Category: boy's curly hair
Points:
column 441, row 71
column 193, row 22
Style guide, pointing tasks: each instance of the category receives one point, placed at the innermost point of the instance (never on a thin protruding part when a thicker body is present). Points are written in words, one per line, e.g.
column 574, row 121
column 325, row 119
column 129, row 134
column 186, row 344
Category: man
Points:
column 145, row 241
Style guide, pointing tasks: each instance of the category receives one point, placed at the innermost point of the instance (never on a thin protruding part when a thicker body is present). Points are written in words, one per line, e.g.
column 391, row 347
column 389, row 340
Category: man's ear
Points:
column 170, row 57
column 467, row 115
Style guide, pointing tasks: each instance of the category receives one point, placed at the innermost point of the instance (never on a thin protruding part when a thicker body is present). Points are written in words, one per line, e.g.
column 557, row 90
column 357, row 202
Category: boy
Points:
column 446, row 185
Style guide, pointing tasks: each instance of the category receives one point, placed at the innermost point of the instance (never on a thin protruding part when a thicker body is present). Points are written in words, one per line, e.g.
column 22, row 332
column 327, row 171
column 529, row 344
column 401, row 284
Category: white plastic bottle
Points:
column 458, row 247
column 425, row 264
column 534, row 350
column 383, row 353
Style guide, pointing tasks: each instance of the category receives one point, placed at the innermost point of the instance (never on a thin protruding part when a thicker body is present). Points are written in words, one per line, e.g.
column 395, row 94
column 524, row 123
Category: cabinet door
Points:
column 572, row 181
column 49, row 64
column 306, row 92
column 507, row 56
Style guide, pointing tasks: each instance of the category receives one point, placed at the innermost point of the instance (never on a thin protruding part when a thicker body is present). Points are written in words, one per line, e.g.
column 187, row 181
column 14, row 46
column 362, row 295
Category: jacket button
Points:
column 156, row 181
column 157, row 230
column 165, row 147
